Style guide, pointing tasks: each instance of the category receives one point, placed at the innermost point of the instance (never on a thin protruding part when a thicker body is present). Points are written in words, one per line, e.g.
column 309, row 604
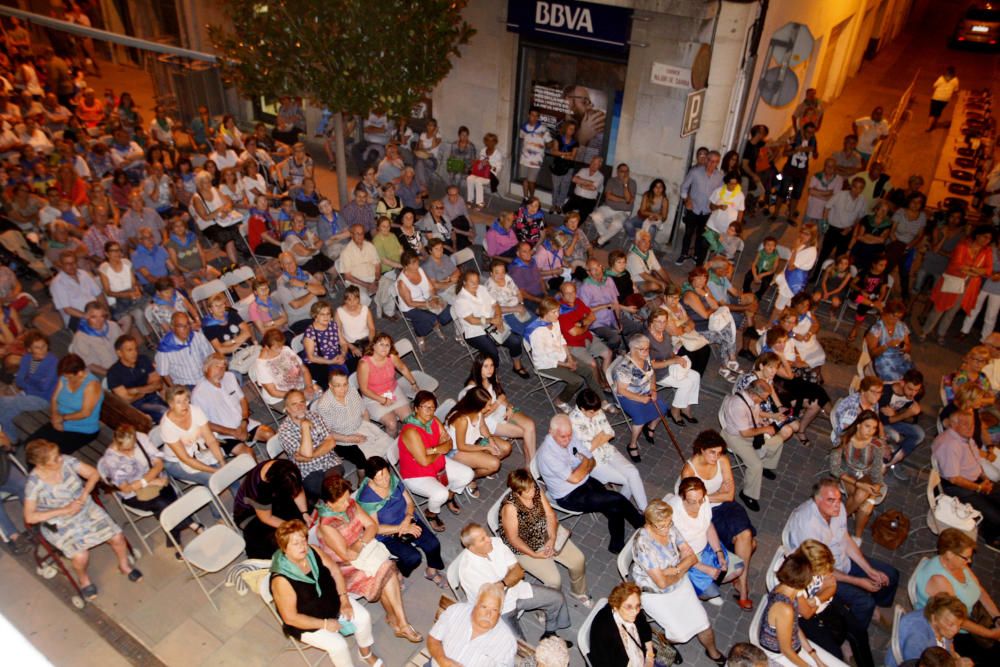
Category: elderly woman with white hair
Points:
column 215, row 215
column 635, row 387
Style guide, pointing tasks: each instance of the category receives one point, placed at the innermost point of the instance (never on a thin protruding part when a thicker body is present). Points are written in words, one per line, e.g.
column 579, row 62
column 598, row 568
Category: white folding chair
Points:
column 296, row 344
column 934, row 493
column 624, row 560
column 786, row 537
column 464, row 256
column 274, row 448
column 583, row 634
column 404, row 346
column 131, row 514
column 392, row 458
column 5, row 496
column 911, row 584
column 203, row 292
column 264, row 396
column 451, row 574
column 214, row 549
column 264, row 590
column 754, row 633
column 222, row 478
column 493, row 516
column 566, row 514
column 609, row 375
column 544, row 381
column 443, row 409
column 894, row 644
column 771, row 576
column 239, row 275
column 735, row 462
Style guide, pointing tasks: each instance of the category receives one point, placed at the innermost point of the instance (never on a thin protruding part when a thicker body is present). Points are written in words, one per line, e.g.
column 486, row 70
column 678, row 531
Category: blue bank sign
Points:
column 584, row 24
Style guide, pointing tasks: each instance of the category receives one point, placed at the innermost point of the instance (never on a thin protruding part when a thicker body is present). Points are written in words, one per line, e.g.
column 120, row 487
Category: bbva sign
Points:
column 558, row 15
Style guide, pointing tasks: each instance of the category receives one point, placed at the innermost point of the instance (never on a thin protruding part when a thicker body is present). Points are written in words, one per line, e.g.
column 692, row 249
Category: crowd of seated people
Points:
column 134, row 218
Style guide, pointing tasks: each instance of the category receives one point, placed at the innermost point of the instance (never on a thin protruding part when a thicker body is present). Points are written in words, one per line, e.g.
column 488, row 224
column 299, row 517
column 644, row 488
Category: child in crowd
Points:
column 764, row 266
column 872, row 287
column 834, row 281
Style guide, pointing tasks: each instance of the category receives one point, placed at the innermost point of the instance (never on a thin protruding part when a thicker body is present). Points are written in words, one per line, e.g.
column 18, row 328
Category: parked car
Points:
column 979, row 27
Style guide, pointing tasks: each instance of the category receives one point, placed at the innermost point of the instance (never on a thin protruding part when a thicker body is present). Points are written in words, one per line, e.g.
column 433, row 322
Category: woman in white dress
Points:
column 356, row 325
column 502, row 418
column 804, row 333
column 475, row 446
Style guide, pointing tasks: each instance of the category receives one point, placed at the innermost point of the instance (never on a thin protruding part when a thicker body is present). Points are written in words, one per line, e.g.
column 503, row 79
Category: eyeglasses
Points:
column 967, row 559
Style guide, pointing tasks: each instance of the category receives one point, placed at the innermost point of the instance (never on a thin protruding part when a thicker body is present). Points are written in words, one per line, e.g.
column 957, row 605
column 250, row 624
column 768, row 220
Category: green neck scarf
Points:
column 283, row 565
column 374, row 506
column 412, row 419
column 325, row 512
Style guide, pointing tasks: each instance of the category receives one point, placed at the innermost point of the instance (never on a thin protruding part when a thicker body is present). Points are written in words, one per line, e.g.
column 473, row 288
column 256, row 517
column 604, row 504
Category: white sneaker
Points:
column 716, row 601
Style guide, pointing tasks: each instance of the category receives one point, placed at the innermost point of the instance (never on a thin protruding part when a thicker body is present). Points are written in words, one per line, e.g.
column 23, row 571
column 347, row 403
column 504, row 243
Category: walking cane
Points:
column 670, row 433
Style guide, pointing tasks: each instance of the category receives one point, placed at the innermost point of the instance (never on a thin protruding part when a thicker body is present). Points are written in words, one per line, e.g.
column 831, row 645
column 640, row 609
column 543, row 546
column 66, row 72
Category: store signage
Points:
column 582, row 23
column 671, row 76
column 693, row 110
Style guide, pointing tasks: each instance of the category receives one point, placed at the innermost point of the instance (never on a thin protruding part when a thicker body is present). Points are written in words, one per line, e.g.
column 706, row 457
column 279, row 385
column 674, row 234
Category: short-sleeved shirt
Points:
column 286, row 293
column 290, row 436
column 474, row 571
column 494, row 648
column 569, row 317
column 596, row 294
column 534, row 139
column 739, row 416
column 343, row 418
column 526, row 276
column 956, row 456
column 222, row 405
column 222, row 331
column 906, row 229
column 596, row 178
column 638, row 263
column 439, row 271
column 69, row 293
column 120, row 375
column 190, row 438
column 806, row 522
column 557, row 463
column 359, row 262
column 648, row 554
column 616, row 187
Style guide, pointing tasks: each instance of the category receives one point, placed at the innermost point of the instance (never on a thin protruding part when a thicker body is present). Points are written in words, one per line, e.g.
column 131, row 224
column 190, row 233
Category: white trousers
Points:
column 475, row 189
column 436, row 493
column 376, row 441
column 825, row 657
column 992, row 302
column 335, row 644
column 619, row 470
column 608, row 222
column 687, row 388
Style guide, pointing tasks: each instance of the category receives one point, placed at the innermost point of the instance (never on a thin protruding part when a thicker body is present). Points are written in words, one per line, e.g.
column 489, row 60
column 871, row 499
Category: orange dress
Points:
column 962, row 259
column 351, row 529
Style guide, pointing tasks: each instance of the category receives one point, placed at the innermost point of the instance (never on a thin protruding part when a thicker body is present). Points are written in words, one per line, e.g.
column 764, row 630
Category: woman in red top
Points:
column 959, row 286
column 71, row 186
column 262, row 230
column 424, row 462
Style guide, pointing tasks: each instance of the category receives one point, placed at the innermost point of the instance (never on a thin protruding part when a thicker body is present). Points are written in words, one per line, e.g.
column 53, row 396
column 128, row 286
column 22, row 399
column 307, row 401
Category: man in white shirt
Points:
column 589, row 182
column 376, row 135
column 487, row 560
column 945, row 86
column 870, row 130
column 471, row 634
column 223, row 156
column 550, row 355
column 221, row 398
column 842, row 211
column 644, row 267
column 72, row 288
column 359, row 264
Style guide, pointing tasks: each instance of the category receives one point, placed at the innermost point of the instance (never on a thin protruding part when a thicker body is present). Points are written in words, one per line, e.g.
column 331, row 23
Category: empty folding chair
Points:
column 225, row 476
column 464, row 256
column 209, row 552
column 202, row 293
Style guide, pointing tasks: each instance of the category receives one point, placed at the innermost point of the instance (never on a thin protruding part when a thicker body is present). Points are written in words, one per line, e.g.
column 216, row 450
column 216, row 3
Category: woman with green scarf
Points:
column 311, row 598
column 381, row 494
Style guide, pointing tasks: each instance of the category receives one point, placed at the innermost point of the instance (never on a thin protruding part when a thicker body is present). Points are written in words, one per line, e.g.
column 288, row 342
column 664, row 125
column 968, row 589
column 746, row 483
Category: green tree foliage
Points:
column 347, row 55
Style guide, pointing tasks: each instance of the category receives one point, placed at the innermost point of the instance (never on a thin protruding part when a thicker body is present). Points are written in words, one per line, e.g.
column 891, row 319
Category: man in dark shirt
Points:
column 134, row 379
column 899, row 409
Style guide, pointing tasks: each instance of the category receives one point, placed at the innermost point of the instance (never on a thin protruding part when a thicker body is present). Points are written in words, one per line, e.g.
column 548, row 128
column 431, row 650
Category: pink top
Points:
column 498, row 243
column 380, row 378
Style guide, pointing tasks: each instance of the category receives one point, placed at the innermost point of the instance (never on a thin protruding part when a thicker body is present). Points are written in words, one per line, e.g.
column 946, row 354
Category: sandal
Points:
column 410, row 635
column 806, row 442
column 473, row 490
column 371, row 654
column 435, row 522
column 746, row 604
column 521, row 372
column 134, row 575
column 89, row 592
column 648, row 435
column 633, row 453
column 584, row 600
column 436, row 579
column 453, row 507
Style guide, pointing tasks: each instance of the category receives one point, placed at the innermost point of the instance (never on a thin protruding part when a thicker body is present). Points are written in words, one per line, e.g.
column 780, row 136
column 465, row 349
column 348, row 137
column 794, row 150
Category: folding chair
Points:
column 624, row 560
column 274, row 448
column 222, row 478
column 262, row 395
column 209, row 552
column 238, row 276
column 296, row 344
column 202, row 293
column 583, row 634
column 264, row 591
column 451, row 574
column 852, row 304
column 493, row 516
column 771, row 576
column 392, row 458
column 609, row 375
column 404, row 346
column 911, row 585
column 566, row 514
column 735, row 462
column 544, row 381
column 132, row 515
column 4, row 496
column 894, row 644
column 464, row 256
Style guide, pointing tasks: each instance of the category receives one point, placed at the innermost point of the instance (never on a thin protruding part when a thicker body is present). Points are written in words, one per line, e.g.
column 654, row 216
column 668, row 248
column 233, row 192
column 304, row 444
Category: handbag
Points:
column 952, row 284
column 692, row 341
column 481, row 168
column 147, row 493
column 721, row 320
column 890, row 529
column 371, row 558
column 244, row 358
column 952, row 512
column 455, row 165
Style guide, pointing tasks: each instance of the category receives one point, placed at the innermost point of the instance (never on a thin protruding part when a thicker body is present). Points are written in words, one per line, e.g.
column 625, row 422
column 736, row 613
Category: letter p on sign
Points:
column 693, row 111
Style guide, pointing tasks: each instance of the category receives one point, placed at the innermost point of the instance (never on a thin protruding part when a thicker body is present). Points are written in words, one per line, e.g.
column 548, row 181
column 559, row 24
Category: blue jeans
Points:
column 862, row 603
column 407, row 553
column 911, row 435
column 15, row 487
column 423, row 321
column 12, row 406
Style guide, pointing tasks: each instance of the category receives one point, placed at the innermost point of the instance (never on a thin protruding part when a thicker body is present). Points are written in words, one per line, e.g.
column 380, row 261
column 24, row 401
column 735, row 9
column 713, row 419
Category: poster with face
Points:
column 587, row 107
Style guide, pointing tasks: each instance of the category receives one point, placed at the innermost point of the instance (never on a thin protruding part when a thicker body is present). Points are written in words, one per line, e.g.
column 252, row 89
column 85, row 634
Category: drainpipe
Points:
column 749, row 67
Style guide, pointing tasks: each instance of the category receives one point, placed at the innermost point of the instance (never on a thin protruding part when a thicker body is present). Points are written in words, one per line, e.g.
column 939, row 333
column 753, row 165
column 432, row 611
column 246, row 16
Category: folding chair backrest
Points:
column 179, row 510
column 493, row 516
column 533, row 469
column 783, row 252
column 451, row 574
column 754, row 633
column 392, row 455
column 274, row 448
column 237, row 276
column 403, row 347
column 465, row 255
column 625, row 560
column 583, row 634
column 894, row 645
column 264, row 590
column 443, row 409
column 771, row 576
column 297, row 344
column 236, row 468
column 786, row 537
column 911, row 585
